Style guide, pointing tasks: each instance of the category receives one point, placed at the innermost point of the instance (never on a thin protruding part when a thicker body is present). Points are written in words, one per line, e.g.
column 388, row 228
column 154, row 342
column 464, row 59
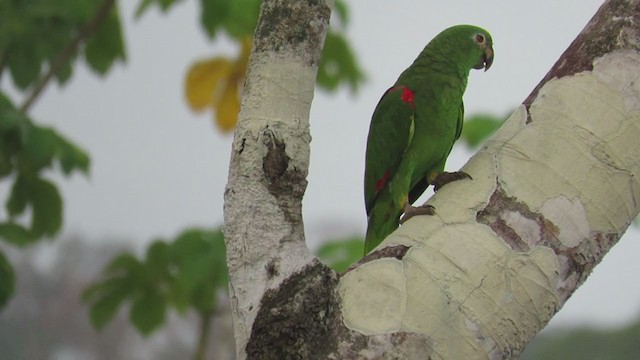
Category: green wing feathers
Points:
column 390, row 134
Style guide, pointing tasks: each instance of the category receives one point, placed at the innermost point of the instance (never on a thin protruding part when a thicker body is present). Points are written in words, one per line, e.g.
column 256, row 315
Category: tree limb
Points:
column 263, row 226
column 553, row 191
column 67, row 53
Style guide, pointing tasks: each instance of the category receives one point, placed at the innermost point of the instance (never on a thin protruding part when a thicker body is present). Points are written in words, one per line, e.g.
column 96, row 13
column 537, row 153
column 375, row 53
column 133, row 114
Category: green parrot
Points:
column 414, row 126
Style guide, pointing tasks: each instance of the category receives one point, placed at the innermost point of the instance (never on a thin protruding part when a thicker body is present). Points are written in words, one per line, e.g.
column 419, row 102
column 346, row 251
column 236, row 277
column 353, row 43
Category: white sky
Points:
column 157, row 168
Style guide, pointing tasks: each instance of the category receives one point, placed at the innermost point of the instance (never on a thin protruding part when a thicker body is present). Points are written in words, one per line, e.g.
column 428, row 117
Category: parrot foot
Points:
column 446, row 177
column 411, row 211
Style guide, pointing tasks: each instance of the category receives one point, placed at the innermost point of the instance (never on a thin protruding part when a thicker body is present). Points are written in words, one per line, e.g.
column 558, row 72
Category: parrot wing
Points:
column 422, row 184
column 390, row 134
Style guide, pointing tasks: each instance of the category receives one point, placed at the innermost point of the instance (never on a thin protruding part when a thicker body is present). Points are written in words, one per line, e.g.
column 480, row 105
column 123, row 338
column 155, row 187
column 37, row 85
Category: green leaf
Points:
column 19, row 197
column 64, row 73
column 200, row 269
column 340, row 254
column 338, row 65
column 47, row 208
column 72, row 157
column 342, row 12
column 7, row 281
column 157, row 260
column 16, row 234
column 178, row 296
column 123, row 263
column 144, row 5
column 218, row 262
column 105, row 308
column 242, row 18
column 40, row 148
column 477, row 128
column 190, row 256
column 6, row 166
column 214, row 13
column 10, row 136
column 148, row 312
column 77, row 10
column 201, row 256
column 24, row 65
column 55, row 35
column 204, row 298
column 98, row 290
column 5, row 104
column 48, row 12
column 106, row 45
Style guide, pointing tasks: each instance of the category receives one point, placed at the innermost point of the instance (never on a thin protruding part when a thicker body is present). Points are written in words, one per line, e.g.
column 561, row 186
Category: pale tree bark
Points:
column 263, row 225
column 552, row 191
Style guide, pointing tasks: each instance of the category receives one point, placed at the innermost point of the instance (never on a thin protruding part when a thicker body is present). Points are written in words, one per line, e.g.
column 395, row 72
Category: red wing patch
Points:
column 382, row 182
column 407, row 95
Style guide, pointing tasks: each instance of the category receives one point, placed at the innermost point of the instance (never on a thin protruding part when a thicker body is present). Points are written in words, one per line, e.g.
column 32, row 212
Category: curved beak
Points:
column 486, row 60
column 487, row 57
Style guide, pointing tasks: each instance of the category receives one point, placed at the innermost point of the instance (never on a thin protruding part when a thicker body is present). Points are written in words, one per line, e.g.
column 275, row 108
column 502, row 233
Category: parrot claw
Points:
column 411, row 211
column 446, row 177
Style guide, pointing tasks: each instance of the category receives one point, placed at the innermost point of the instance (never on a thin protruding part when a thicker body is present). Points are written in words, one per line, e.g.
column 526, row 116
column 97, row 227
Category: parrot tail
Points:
column 380, row 224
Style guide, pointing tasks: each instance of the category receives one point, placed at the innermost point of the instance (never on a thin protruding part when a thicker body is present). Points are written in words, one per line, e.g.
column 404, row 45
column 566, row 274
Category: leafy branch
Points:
column 67, row 52
column 183, row 274
column 33, row 34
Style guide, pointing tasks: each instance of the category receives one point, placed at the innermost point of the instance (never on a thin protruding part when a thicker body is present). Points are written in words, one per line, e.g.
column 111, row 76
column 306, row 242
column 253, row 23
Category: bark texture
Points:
column 263, row 225
column 553, row 191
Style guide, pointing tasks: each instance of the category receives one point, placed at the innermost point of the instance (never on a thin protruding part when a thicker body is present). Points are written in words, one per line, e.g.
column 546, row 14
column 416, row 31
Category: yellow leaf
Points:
column 227, row 106
column 217, row 83
column 202, row 80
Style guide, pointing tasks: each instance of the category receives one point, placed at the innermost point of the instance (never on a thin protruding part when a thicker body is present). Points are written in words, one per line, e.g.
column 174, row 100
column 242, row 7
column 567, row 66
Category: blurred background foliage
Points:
column 41, row 41
column 215, row 83
column 181, row 278
column 621, row 343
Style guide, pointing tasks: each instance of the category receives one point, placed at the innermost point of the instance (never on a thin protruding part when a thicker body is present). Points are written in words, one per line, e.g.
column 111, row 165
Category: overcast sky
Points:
column 157, row 168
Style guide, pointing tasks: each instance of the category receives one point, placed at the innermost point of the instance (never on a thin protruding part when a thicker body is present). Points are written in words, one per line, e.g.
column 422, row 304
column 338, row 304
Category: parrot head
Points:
column 483, row 41
column 465, row 45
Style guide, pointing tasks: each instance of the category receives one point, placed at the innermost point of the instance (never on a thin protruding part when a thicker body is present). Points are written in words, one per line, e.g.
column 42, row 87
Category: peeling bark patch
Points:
column 501, row 207
column 580, row 260
column 613, row 27
column 527, row 110
column 577, row 261
column 300, row 319
column 285, row 182
column 276, row 161
column 296, row 26
column 395, row 251
column 413, row 343
column 509, row 235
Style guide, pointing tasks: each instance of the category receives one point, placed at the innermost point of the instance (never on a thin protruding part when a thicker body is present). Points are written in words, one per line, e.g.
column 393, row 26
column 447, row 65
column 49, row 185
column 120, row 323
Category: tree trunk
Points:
column 553, row 191
column 263, row 225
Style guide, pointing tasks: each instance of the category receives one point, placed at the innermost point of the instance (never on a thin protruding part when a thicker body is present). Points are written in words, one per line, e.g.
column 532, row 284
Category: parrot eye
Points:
column 479, row 38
